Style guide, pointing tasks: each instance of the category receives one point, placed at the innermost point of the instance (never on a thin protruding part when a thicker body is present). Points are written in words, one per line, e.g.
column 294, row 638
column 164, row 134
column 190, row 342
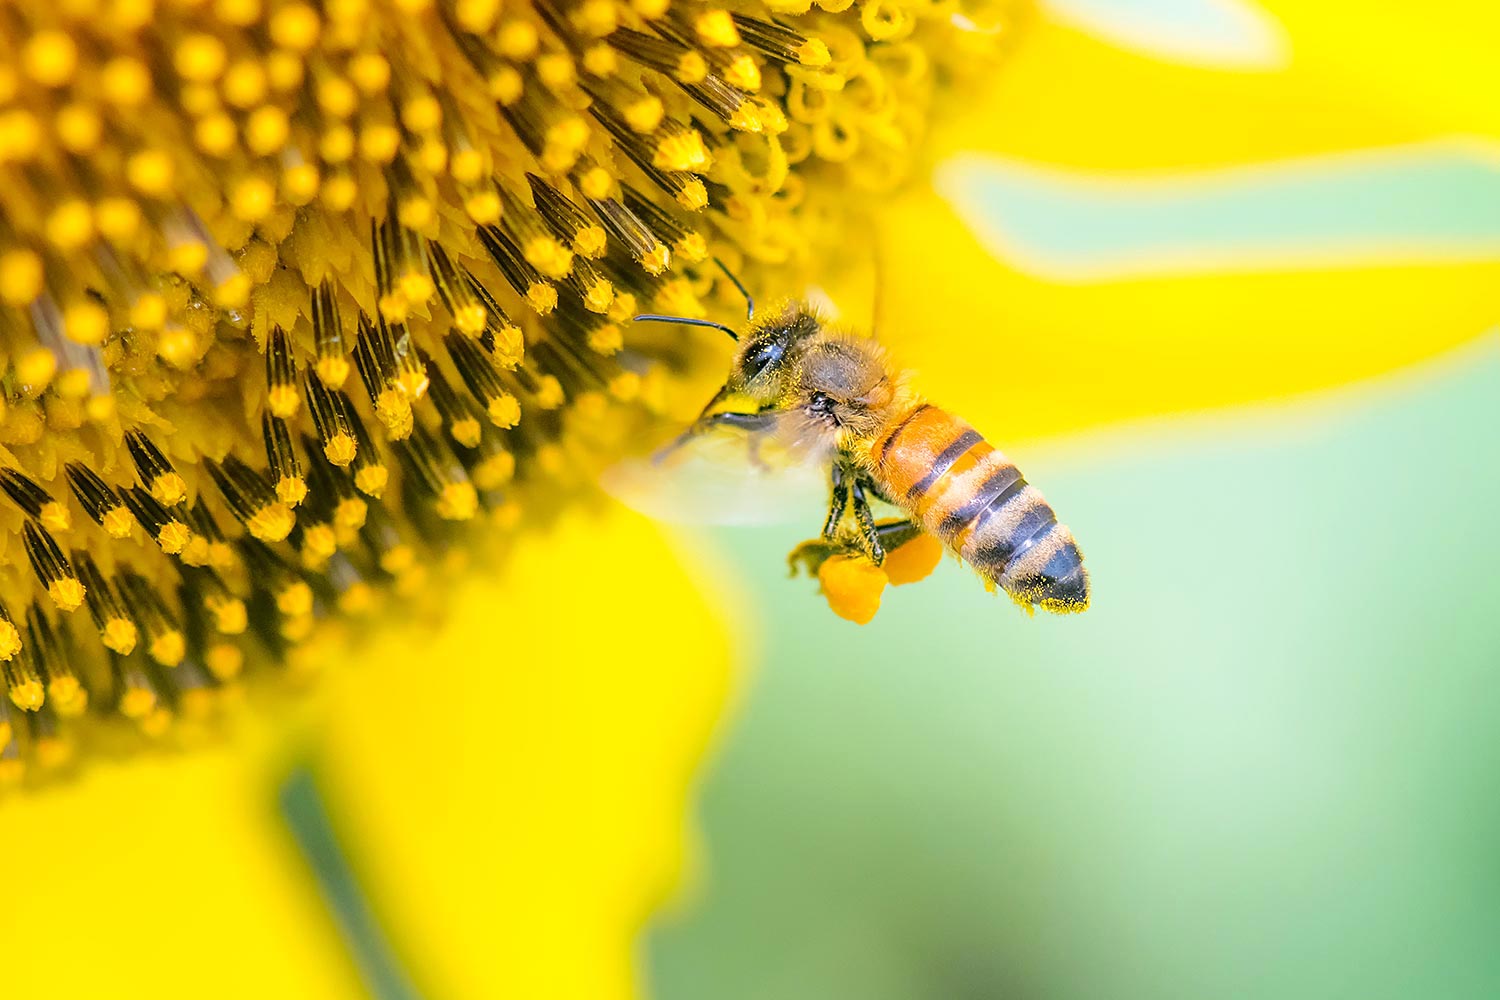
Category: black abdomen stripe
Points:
column 943, row 463
column 995, row 492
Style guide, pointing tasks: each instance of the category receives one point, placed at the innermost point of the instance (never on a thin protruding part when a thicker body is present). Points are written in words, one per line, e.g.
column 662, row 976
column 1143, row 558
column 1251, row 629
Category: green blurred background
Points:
column 1266, row 763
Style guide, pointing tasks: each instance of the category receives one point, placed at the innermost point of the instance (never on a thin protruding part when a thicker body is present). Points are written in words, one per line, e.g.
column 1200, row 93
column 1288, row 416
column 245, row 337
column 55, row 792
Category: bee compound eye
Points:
column 762, row 356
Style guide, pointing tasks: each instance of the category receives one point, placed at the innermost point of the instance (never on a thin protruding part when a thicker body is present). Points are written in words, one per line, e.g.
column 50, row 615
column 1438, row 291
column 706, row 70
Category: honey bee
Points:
column 839, row 395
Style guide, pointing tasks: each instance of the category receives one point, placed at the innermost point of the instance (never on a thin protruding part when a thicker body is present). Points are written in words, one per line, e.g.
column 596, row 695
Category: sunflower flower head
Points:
column 298, row 301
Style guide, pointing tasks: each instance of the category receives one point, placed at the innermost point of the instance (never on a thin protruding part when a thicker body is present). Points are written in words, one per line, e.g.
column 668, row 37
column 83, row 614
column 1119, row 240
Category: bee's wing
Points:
column 726, row 476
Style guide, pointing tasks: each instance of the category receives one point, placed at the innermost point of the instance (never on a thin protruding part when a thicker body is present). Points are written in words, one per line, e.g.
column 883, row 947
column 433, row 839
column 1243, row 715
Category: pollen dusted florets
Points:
column 289, row 292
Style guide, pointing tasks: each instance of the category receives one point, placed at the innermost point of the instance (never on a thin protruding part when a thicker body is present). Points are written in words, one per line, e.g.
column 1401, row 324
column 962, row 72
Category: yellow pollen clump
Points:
column 252, row 199
column 716, row 28
column 394, row 411
column 476, row 16
column 457, row 502
column 28, row 695
column 517, row 39
column 743, row 73
column 229, row 614
column 151, row 173
column 224, row 661
column 332, row 372
column 601, row 60
column 813, row 54
column 340, row 449
column 853, row 586
column 199, row 58
column 590, row 241
column 125, row 82
column 295, row 27
column 66, row 593
column 169, row 489
column 20, row 277
column 351, row 513
column 86, row 323
column 607, row 339
column 137, row 702
column 266, row 130
column 50, row 58
column 71, row 225
column 596, row 182
column 495, row 471
column 683, row 151
column 295, row 599
column 283, row 401
column 148, row 312
column 271, row 523
column 10, row 640
column 157, row 721
column 55, row 517
column 118, row 522
column 913, row 561
column 692, row 68
column 693, row 196
column 178, row 346
column 371, row 480
column 78, row 128
column 174, row 537
column 36, row 368
column 319, row 542
column 291, row 490
column 245, row 84
column 466, row 432
column 542, row 298
column 483, row 207
column 504, row 411
column 66, row 691
column 299, row 184
column 168, row 649
column 120, row 635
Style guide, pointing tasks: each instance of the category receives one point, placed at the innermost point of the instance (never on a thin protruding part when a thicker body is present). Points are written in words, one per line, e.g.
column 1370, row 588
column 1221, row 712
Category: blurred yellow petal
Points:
column 1128, row 237
column 1063, row 356
column 1357, row 78
column 510, row 788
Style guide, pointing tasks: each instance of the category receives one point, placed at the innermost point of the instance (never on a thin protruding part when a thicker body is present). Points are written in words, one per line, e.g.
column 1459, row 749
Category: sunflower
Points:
column 305, row 305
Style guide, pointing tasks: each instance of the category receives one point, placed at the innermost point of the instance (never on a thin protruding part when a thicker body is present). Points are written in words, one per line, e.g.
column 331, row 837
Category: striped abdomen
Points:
column 968, row 494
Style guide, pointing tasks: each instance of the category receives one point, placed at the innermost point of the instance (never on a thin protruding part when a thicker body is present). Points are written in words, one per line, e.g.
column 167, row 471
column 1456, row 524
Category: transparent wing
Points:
column 731, row 476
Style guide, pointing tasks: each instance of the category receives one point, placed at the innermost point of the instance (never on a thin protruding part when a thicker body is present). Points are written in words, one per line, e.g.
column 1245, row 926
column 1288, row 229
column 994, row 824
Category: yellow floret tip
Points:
column 457, row 502
column 10, row 640
column 66, row 593
column 271, row 523
column 28, row 695
column 120, row 635
column 168, row 649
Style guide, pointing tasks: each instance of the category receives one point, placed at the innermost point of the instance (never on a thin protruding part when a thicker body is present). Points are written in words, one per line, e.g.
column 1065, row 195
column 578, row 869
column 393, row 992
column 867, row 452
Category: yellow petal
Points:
column 510, row 788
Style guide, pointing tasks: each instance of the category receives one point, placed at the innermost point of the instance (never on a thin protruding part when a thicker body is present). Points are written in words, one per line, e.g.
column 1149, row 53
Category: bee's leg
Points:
column 869, row 536
column 743, row 421
column 839, row 502
column 810, row 556
column 894, row 534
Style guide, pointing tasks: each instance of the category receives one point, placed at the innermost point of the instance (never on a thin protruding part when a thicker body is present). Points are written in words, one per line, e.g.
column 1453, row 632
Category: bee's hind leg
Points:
column 894, row 534
column 868, row 538
column 811, row 555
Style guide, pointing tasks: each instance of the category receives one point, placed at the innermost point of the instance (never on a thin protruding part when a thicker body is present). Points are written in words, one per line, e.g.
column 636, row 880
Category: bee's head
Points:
column 765, row 369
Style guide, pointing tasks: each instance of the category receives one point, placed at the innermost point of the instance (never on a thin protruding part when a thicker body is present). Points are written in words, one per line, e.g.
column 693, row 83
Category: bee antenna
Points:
column 685, row 321
column 749, row 302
